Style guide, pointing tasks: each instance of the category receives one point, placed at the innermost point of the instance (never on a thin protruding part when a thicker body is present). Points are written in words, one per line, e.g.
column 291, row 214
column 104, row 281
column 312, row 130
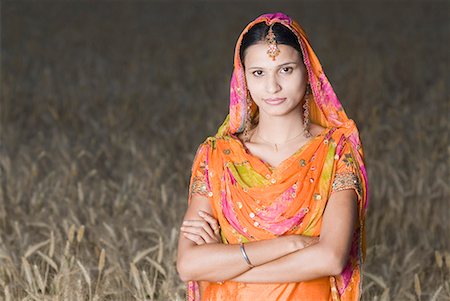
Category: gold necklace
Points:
column 275, row 144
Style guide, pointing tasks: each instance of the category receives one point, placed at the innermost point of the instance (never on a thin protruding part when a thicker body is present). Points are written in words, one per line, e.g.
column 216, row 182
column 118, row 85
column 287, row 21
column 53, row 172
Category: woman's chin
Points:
column 279, row 110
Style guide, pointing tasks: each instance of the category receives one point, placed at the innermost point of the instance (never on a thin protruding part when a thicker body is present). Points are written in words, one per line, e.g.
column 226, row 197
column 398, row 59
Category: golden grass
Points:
column 103, row 107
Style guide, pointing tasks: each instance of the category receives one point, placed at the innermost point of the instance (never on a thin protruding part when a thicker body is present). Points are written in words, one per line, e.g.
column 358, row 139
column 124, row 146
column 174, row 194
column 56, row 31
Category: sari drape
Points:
column 255, row 201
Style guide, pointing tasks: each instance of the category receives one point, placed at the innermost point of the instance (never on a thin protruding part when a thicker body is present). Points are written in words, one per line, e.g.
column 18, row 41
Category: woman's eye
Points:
column 287, row 69
column 257, row 72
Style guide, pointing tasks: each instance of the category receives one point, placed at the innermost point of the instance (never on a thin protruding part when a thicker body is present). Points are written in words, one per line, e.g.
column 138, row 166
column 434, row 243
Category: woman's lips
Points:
column 274, row 101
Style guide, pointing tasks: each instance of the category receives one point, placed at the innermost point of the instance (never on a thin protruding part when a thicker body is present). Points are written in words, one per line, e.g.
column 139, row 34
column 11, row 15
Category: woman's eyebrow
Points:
column 275, row 66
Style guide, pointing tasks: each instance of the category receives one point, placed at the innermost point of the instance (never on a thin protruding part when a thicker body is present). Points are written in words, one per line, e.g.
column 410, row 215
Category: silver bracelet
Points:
column 244, row 254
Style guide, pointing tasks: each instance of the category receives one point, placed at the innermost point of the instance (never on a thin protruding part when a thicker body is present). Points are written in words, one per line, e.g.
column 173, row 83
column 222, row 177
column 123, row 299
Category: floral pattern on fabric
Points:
column 199, row 183
column 346, row 176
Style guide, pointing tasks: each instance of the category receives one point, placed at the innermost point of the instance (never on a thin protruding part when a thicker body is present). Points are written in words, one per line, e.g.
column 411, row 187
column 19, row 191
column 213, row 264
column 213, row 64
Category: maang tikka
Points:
column 273, row 50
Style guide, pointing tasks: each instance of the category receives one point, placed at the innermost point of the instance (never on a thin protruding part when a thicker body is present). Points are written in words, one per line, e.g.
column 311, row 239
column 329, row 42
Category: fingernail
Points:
column 201, row 213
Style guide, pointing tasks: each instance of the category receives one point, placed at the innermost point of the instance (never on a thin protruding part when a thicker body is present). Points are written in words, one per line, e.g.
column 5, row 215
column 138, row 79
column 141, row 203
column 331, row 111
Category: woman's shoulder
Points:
column 210, row 142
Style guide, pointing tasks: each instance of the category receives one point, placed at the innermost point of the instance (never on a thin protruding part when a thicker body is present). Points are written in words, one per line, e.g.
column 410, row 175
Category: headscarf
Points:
column 235, row 178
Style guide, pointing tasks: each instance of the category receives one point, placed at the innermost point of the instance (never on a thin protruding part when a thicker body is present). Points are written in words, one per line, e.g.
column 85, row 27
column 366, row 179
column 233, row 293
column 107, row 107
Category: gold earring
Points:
column 306, row 120
column 247, row 122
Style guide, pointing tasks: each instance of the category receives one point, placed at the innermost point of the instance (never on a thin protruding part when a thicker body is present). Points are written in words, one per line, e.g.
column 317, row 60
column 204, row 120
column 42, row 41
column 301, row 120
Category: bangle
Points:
column 244, row 254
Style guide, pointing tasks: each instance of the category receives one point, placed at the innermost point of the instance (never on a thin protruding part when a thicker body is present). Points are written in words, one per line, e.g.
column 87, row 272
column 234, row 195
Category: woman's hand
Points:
column 202, row 231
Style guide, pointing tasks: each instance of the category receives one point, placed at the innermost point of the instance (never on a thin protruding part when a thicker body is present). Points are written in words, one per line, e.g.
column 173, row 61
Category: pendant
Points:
column 276, row 147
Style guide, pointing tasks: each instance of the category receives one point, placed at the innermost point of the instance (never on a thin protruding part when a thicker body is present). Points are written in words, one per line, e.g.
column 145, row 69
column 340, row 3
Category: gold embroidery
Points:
column 199, row 186
column 347, row 180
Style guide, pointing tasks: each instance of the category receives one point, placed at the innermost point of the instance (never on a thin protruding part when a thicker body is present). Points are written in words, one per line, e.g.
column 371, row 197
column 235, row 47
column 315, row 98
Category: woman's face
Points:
column 277, row 87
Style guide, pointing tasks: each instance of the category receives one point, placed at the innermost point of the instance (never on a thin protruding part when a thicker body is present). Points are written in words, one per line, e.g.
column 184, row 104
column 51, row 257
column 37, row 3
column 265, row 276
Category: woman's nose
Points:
column 272, row 85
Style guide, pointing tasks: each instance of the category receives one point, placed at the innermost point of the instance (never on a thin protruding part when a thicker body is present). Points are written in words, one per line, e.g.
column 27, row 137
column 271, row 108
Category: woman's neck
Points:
column 278, row 129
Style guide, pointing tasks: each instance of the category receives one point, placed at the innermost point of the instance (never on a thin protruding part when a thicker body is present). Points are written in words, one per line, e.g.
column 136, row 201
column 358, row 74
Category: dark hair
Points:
column 258, row 32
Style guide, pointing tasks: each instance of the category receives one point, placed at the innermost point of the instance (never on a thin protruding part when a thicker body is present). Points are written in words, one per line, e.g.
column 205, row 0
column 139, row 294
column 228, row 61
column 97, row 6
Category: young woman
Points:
column 278, row 197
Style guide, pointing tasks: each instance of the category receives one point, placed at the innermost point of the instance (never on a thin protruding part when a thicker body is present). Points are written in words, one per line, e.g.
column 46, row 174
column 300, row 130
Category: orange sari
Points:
column 255, row 201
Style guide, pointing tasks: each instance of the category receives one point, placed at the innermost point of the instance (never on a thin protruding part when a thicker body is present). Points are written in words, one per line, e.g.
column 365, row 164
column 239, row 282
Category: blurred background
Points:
column 104, row 103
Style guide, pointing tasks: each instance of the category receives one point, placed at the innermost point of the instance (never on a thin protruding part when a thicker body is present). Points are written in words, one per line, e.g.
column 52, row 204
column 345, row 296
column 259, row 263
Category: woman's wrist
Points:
column 245, row 256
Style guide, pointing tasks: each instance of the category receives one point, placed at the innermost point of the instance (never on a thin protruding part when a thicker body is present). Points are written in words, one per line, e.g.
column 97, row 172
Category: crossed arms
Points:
column 291, row 258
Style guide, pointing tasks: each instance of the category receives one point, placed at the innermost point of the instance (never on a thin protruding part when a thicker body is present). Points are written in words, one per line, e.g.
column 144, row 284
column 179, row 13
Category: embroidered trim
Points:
column 199, row 186
column 347, row 180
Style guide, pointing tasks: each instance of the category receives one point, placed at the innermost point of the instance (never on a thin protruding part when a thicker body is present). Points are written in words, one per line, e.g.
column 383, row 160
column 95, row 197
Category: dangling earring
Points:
column 306, row 131
column 247, row 122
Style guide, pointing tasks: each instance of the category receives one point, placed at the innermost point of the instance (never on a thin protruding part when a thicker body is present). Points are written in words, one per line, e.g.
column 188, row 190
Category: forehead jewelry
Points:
column 273, row 50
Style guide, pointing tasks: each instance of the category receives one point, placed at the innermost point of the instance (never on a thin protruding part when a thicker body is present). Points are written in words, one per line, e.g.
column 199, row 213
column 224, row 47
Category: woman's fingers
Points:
column 208, row 228
column 199, row 230
column 195, row 230
column 195, row 238
column 211, row 221
column 199, row 226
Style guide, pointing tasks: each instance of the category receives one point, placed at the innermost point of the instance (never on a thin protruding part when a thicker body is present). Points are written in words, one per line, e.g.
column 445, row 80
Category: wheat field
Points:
column 103, row 105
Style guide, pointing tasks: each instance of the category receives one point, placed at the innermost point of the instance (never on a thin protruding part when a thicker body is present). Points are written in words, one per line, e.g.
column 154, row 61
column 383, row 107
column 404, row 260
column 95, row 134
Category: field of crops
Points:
column 103, row 105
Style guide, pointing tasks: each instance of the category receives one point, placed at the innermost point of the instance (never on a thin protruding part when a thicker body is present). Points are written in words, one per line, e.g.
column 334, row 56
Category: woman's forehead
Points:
column 256, row 56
